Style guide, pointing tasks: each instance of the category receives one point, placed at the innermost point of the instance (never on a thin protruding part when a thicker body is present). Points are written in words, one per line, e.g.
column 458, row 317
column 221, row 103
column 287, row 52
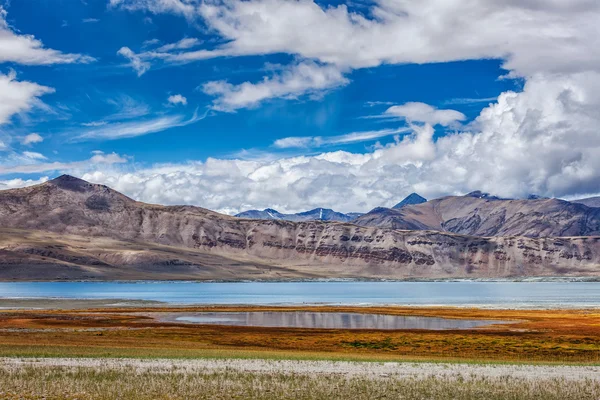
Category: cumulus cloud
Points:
column 96, row 161
column 18, row 182
column 31, row 139
column 177, row 99
column 421, row 112
column 26, row 49
column 299, row 79
column 18, row 96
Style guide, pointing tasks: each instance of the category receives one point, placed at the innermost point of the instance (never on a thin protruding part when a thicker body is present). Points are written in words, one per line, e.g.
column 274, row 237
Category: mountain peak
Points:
column 411, row 199
column 478, row 194
column 72, row 183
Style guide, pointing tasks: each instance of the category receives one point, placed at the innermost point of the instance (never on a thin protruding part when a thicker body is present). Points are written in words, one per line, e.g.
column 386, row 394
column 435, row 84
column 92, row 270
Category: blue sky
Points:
column 237, row 90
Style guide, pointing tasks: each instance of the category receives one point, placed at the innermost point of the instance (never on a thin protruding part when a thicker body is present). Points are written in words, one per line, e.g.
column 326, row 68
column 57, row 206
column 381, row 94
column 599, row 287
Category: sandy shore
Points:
column 368, row 370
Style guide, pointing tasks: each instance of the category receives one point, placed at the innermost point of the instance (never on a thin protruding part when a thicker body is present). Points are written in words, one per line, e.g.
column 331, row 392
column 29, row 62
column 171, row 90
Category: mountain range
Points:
column 480, row 214
column 68, row 228
column 317, row 214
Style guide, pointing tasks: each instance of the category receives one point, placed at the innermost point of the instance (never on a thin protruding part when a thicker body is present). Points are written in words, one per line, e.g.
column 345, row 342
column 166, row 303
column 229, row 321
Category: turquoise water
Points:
column 531, row 294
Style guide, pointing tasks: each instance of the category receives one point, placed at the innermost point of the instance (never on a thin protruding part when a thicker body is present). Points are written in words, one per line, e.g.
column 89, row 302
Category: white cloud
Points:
column 531, row 36
column 33, row 155
column 90, row 20
column 421, row 112
column 319, row 141
column 125, row 107
column 150, row 42
column 26, row 49
column 467, row 100
column 94, row 123
column 19, row 96
column 185, row 8
column 177, row 99
column 31, row 139
column 299, row 79
column 18, row 183
column 554, row 37
column 135, row 60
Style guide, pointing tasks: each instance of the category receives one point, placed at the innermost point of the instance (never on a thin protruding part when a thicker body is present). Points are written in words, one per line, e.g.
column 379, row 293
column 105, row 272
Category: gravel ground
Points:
column 369, row 370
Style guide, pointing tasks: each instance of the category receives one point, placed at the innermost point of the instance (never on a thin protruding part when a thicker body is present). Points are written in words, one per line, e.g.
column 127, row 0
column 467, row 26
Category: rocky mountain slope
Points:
column 590, row 201
column 479, row 214
column 317, row 214
column 70, row 228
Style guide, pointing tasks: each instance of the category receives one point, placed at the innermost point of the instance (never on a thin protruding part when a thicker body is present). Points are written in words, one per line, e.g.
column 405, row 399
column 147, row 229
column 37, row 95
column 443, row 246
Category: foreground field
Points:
column 537, row 336
column 258, row 379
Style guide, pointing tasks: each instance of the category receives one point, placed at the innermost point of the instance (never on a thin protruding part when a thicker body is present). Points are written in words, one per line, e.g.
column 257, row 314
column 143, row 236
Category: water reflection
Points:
column 326, row 320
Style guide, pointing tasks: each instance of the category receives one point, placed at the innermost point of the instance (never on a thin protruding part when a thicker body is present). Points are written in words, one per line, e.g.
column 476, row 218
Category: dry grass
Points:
column 126, row 381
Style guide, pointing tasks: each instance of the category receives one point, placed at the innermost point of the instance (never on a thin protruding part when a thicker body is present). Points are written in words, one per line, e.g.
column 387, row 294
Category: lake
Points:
column 495, row 294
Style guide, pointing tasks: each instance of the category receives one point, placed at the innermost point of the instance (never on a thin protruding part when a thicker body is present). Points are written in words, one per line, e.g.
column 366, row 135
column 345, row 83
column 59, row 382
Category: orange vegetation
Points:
column 537, row 335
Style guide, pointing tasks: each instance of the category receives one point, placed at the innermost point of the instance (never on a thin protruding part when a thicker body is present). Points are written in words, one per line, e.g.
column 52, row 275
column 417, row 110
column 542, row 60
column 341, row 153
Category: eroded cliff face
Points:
column 70, row 206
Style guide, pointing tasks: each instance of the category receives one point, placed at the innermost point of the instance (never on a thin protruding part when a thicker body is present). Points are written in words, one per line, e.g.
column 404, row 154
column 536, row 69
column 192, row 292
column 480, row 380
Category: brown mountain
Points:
column 479, row 214
column 70, row 229
column 590, row 201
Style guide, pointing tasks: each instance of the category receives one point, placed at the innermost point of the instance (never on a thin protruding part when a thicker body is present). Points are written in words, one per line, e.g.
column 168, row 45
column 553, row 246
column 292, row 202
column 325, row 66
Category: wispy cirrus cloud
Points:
column 121, row 130
column 470, row 100
column 320, row 141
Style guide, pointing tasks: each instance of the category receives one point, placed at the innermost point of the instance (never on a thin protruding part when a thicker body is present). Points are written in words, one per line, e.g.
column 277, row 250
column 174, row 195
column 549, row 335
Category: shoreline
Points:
column 524, row 279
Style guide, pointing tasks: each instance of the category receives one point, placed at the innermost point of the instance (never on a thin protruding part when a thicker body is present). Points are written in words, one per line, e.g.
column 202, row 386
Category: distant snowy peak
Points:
column 317, row 214
column 411, row 199
column 268, row 213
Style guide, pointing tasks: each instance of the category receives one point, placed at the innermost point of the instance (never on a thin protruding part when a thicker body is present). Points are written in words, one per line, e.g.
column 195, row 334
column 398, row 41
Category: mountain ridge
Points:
column 480, row 214
column 411, row 199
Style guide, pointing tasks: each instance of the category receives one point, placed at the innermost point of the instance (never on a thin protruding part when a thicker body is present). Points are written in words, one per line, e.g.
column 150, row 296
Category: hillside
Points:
column 86, row 227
